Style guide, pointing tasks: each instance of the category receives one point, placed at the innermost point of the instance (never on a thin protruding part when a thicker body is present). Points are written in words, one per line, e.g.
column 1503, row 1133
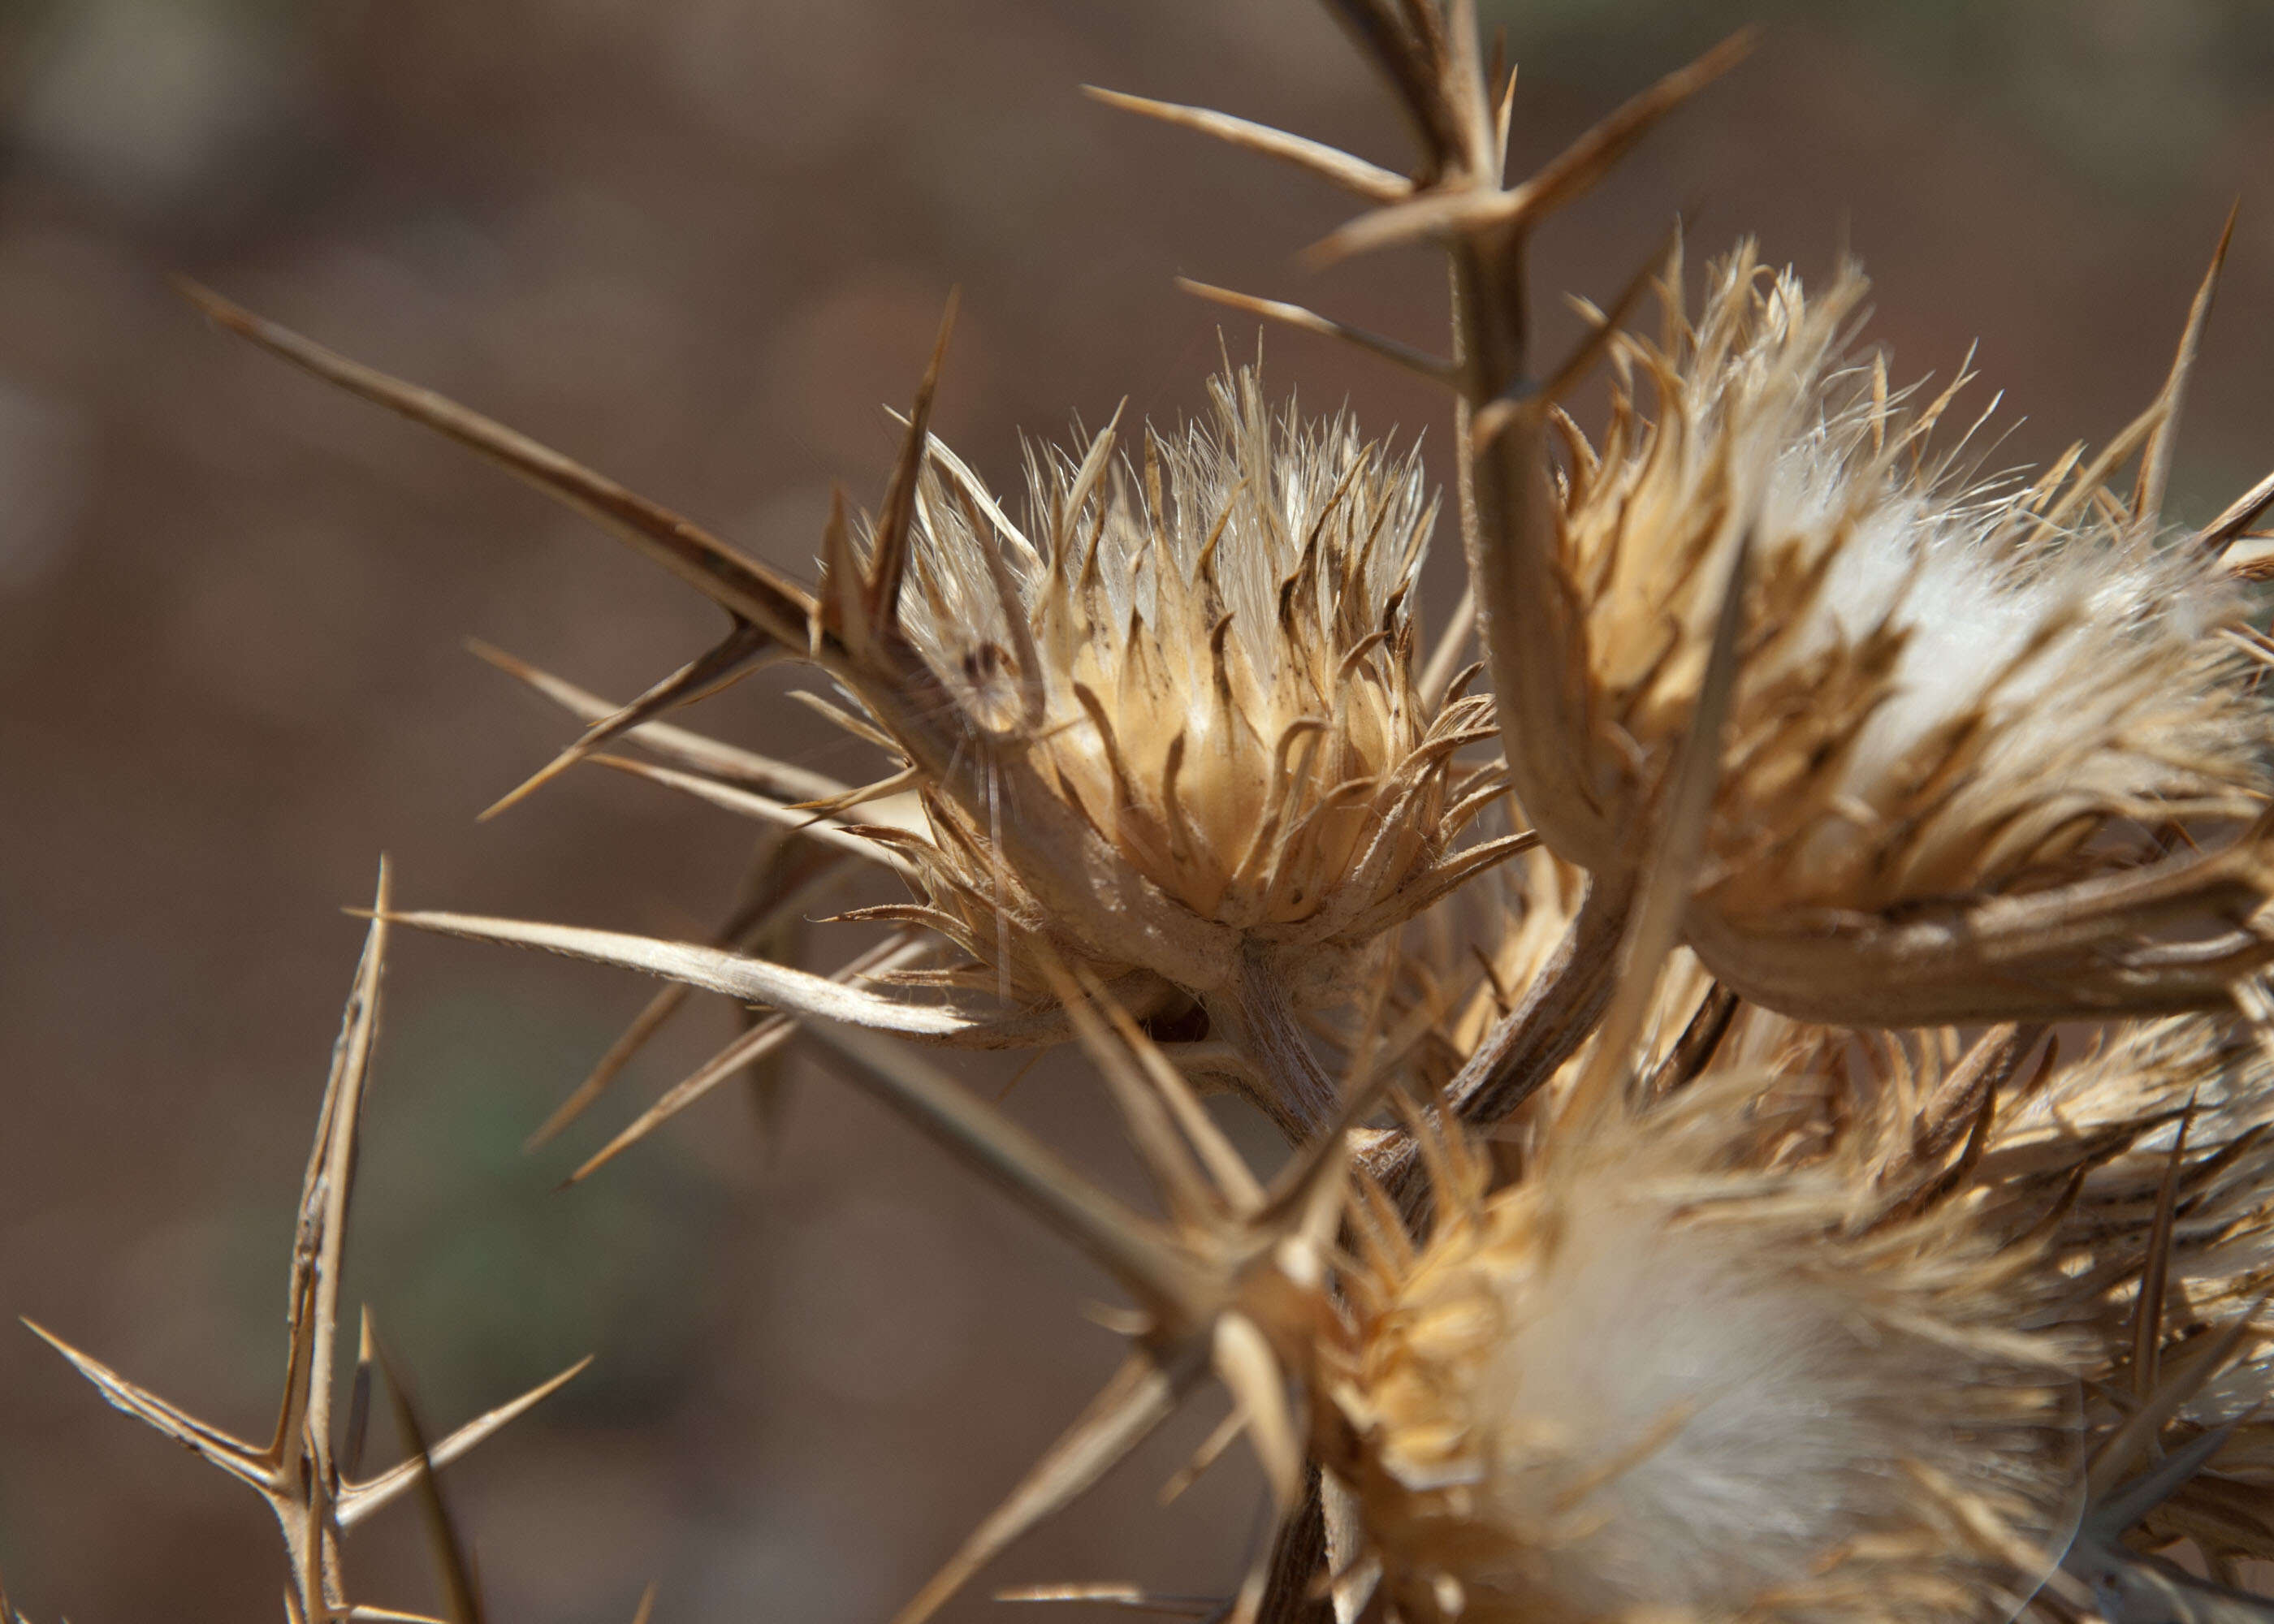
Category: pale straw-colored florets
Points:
column 1952, row 687
column 1949, row 692
column 1656, row 1378
column 1209, row 653
column 2154, row 1150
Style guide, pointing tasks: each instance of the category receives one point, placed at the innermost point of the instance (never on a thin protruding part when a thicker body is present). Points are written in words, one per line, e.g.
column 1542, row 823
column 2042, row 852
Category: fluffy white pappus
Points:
column 1952, row 684
column 1642, row 1381
column 2056, row 649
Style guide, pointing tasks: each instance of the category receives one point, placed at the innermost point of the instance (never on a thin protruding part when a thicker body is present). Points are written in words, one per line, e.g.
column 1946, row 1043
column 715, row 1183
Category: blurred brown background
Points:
column 699, row 242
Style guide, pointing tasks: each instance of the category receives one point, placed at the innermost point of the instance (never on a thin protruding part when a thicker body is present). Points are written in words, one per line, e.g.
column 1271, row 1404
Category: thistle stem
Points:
column 1527, row 1046
column 1290, row 1089
column 1299, row 1554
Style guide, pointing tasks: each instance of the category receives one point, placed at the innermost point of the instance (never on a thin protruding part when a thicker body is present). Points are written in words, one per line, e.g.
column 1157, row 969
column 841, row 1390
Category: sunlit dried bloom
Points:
column 1171, row 731
column 1210, row 654
column 1905, row 838
column 1656, row 1377
column 1952, row 692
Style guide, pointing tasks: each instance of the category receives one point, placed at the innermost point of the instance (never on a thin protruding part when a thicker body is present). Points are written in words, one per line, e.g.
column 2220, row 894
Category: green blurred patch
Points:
column 484, row 1276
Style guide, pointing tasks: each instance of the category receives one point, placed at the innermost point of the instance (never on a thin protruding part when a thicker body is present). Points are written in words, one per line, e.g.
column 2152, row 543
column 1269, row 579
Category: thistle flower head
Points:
column 1952, row 687
column 1657, row 1376
column 1897, row 689
column 1951, row 691
column 1209, row 655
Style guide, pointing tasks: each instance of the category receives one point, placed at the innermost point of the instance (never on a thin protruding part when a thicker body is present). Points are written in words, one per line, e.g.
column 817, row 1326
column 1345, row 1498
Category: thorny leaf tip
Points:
column 738, row 584
column 358, row 1501
column 461, row 1595
column 2155, row 457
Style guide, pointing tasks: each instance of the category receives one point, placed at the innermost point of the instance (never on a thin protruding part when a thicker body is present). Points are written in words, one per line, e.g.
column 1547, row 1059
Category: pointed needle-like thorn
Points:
column 2203, row 1359
column 2116, row 1516
column 1141, row 1394
column 2155, row 457
column 2156, row 1268
column 817, row 827
column 757, row 913
column 2245, row 511
column 1170, row 1162
column 358, row 1501
column 1129, row 1598
column 768, row 1036
column 736, row 583
column 238, row 1458
column 730, row 657
column 463, row 1603
column 358, row 1422
column 1128, row 1246
column 1574, row 171
column 1436, row 369
column 1467, row 206
column 1246, row 1364
column 896, row 524
column 1352, row 174
column 688, row 749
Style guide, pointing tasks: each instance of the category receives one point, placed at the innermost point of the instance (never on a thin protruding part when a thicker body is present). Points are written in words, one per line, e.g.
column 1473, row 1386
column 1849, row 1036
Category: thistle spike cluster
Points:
column 306, row 1470
column 1695, row 1207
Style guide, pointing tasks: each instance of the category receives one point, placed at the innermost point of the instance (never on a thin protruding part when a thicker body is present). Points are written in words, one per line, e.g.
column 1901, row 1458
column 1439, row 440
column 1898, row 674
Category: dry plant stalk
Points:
column 1698, row 1217
column 307, row 1470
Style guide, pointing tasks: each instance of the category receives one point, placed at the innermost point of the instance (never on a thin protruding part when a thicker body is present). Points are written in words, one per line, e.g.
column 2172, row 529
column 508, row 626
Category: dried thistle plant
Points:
column 1216, row 656
column 1957, row 697
column 1696, row 1218
column 1597, row 616
column 309, row 1471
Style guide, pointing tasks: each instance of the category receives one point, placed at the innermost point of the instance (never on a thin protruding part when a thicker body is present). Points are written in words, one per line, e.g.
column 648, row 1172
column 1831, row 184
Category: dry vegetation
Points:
column 1761, row 1005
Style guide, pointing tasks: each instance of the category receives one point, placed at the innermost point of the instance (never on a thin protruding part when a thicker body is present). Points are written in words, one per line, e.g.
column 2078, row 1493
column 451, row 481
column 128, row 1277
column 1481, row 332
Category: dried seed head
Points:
column 1950, row 690
column 1649, row 1378
column 1178, row 740
column 2151, row 1156
column 1208, row 654
column 1903, row 632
